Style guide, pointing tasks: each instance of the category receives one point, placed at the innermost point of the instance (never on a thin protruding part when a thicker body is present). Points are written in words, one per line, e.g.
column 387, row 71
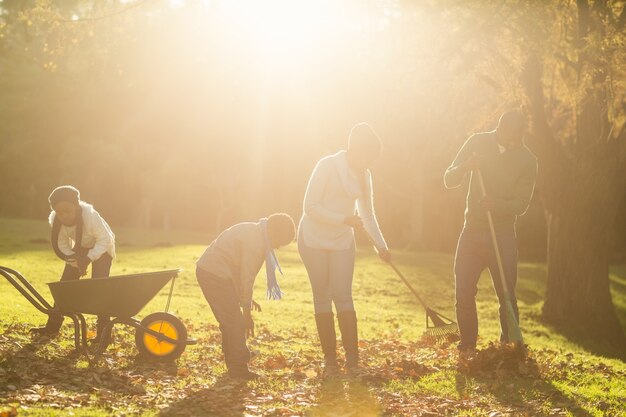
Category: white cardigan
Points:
column 332, row 194
column 97, row 234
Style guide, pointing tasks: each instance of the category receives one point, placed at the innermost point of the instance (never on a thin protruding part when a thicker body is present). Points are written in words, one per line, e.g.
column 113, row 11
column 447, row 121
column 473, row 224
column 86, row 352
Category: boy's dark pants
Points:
column 222, row 297
column 474, row 253
column 99, row 269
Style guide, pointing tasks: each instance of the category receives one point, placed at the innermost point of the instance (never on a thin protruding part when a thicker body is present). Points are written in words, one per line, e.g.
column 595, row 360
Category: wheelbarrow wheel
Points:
column 168, row 325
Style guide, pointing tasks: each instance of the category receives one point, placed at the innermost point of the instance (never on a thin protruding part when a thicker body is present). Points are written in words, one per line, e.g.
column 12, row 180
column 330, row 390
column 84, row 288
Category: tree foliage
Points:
column 178, row 117
column 564, row 62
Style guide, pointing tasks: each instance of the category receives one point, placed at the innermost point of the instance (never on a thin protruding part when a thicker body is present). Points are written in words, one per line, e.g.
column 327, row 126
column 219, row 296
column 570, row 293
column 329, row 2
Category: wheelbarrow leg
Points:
column 83, row 329
column 77, row 327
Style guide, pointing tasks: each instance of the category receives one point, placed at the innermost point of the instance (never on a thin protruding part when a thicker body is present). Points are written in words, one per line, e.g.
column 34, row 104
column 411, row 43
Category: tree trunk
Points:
column 578, row 296
column 581, row 194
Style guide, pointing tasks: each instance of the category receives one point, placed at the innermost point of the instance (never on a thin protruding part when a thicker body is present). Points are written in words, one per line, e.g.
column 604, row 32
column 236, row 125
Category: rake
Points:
column 514, row 332
column 439, row 328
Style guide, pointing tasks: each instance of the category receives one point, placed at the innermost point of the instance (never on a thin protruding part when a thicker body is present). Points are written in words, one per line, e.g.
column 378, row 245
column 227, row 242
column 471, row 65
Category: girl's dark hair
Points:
column 363, row 138
column 56, row 229
column 64, row 193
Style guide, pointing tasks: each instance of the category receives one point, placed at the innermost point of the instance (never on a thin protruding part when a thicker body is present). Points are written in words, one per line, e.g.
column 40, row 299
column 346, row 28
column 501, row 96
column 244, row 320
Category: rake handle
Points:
column 493, row 236
column 408, row 284
column 399, row 273
column 436, row 318
column 507, row 295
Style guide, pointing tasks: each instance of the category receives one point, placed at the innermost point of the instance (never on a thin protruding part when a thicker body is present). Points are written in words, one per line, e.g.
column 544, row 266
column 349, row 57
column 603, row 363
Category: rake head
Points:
column 514, row 331
column 441, row 330
column 445, row 334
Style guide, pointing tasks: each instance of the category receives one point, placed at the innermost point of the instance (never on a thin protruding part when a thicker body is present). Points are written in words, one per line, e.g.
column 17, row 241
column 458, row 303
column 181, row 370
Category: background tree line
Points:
column 175, row 116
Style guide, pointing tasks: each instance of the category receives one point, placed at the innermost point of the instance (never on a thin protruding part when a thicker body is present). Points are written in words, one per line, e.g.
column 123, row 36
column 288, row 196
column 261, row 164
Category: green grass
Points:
column 406, row 377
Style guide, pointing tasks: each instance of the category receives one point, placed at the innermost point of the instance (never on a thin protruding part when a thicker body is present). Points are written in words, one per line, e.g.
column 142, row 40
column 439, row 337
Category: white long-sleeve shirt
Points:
column 97, row 234
column 333, row 193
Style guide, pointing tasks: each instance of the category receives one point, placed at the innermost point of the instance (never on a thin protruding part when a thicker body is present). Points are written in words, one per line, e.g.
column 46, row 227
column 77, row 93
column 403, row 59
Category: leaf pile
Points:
column 499, row 360
column 8, row 412
column 401, row 378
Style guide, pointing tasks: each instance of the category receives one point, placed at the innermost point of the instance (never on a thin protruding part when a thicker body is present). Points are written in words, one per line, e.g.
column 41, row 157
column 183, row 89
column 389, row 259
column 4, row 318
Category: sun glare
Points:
column 280, row 29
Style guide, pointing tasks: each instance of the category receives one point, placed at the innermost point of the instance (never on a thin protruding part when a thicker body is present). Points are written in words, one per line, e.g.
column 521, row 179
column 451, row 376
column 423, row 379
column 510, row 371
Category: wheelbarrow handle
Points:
column 26, row 288
column 32, row 295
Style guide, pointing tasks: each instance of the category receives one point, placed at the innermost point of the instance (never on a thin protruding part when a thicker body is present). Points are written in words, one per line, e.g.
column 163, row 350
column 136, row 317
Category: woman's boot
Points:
column 350, row 339
column 328, row 339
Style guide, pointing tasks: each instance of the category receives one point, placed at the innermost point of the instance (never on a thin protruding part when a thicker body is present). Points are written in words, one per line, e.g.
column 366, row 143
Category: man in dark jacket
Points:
column 509, row 171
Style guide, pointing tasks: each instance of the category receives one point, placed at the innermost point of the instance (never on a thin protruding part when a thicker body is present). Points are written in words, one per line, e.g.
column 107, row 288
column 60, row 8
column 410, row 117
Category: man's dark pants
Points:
column 474, row 253
column 100, row 268
column 222, row 297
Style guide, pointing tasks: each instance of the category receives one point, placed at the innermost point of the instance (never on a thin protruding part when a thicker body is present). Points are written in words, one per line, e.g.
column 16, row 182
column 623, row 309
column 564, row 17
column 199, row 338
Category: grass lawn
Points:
column 405, row 377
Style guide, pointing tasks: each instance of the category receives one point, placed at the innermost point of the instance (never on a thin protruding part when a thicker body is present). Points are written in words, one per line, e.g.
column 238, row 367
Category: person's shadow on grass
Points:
column 225, row 398
column 30, row 366
column 528, row 394
column 531, row 291
column 345, row 397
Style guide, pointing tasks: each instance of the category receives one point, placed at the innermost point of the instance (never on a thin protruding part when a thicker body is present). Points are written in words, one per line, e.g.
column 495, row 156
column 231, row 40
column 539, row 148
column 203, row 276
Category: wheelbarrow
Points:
column 161, row 336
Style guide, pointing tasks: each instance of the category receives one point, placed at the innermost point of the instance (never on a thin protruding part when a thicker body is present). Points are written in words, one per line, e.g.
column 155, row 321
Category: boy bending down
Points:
column 226, row 272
